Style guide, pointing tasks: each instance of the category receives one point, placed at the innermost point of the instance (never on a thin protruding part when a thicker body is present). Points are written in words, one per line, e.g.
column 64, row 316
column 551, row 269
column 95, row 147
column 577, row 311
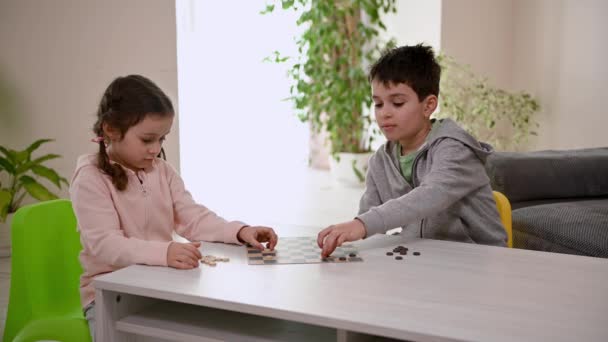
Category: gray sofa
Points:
column 559, row 199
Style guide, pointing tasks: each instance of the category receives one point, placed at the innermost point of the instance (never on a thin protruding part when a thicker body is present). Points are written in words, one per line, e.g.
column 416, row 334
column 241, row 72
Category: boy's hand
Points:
column 256, row 235
column 334, row 236
column 184, row 256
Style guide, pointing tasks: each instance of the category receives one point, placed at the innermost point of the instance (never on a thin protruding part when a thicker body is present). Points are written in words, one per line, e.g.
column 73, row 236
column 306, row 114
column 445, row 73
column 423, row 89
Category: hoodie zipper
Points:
column 414, row 185
column 414, row 166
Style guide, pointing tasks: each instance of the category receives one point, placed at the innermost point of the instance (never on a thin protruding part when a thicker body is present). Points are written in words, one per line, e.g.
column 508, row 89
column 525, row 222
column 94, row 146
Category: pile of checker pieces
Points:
column 212, row 260
column 400, row 251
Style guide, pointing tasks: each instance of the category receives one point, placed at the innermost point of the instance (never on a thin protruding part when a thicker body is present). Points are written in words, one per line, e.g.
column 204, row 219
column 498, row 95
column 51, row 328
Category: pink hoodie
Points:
column 134, row 226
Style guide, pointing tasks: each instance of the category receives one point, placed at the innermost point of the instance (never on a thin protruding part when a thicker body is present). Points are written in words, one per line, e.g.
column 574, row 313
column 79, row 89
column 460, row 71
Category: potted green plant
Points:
column 330, row 89
column 501, row 118
column 18, row 178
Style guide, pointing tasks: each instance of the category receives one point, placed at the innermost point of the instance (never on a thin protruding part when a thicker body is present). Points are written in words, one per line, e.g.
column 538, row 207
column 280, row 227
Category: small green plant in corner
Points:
column 330, row 90
column 22, row 172
column 501, row 118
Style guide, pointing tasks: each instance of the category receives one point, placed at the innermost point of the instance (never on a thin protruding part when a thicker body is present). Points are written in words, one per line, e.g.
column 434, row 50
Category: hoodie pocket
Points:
column 445, row 227
column 422, row 229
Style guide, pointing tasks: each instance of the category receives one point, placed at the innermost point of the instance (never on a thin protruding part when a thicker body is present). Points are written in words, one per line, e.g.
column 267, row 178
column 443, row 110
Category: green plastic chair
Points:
column 44, row 300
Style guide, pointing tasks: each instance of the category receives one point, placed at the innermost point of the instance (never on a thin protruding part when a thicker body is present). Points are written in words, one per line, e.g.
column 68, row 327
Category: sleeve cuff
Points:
column 373, row 222
column 158, row 252
column 232, row 231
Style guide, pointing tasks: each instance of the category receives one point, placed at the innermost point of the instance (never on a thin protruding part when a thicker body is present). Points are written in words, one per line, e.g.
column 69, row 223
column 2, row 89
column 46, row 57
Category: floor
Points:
column 312, row 198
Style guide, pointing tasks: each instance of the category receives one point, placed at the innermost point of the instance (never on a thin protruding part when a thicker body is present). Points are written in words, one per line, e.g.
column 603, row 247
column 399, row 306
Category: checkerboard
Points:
column 300, row 250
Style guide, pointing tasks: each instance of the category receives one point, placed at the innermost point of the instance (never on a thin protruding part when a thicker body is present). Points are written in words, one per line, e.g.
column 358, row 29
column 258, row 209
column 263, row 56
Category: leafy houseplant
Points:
column 483, row 110
column 330, row 89
column 22, row 170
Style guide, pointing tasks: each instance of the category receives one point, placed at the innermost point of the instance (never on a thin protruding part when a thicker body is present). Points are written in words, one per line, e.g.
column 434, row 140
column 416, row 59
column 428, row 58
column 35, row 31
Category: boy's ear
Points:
column 430, row 104
column 110, row 132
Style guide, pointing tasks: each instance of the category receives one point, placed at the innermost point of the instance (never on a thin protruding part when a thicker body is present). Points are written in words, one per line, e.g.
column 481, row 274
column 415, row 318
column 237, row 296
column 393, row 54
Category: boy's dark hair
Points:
column 124, row 104
column 414, row 65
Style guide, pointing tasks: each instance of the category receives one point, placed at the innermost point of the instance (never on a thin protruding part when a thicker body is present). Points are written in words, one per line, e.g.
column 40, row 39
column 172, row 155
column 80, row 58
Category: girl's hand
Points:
column 184, row 256
column 334, row 236
column 255, row 235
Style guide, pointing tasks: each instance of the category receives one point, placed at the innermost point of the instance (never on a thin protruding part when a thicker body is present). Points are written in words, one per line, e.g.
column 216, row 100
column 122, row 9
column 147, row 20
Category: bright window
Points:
column 236, row 135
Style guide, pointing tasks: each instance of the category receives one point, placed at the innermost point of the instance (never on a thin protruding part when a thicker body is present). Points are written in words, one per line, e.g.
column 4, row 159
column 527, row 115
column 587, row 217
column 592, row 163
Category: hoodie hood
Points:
column 448, row 129
column 84, row 161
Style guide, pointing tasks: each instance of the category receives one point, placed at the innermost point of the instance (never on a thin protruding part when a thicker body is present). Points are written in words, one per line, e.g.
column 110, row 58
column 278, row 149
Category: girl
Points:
column 128, row 201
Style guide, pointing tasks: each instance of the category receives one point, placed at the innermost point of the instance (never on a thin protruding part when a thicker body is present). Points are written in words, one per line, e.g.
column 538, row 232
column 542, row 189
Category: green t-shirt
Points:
column 407, row 161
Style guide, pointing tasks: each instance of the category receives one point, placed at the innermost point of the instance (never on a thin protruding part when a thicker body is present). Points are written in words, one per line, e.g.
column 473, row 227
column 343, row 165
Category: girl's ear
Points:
column 430, row 104
column 110, row 132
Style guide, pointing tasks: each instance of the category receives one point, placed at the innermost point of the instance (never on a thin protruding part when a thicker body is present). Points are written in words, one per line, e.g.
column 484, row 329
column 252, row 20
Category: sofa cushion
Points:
column 571, row 227
column 517, row 205
column 543, row 175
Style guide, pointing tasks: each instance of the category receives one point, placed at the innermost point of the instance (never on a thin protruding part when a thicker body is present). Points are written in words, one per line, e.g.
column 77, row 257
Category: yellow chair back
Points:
column 504, row 210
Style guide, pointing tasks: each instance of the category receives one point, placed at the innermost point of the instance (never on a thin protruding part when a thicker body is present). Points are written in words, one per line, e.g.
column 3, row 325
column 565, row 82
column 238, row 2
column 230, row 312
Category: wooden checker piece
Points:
column 212, row 260
column 300, row 250
column 400, row 252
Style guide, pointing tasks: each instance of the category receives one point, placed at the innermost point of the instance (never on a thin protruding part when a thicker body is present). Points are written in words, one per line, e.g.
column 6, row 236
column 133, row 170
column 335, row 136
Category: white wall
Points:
column 60, row 55
column 415, row 22
column 560, row 55
column 554, row 49
column 480, row 33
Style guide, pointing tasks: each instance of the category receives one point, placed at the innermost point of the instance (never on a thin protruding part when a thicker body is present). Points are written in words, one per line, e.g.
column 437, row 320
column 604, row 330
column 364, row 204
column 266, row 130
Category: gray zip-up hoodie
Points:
column 450, row 196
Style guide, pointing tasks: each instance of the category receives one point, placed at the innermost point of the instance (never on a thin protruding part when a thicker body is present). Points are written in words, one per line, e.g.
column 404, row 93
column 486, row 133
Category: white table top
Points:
column 453, row 291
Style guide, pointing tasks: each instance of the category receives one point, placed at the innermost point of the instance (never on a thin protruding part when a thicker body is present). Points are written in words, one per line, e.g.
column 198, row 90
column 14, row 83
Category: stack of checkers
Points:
column 400, row 252
column 212, row 260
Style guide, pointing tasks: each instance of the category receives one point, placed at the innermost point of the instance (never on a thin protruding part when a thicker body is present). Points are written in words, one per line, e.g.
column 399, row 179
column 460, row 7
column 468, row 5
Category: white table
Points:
column 452, row 292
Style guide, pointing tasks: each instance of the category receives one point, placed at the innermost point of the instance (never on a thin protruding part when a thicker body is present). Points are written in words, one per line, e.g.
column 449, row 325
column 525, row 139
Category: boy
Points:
column 429, row 177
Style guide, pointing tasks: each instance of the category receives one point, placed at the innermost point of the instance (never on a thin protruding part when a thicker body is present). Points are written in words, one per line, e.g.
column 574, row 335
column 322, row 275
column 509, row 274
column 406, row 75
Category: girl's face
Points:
column 141, row 143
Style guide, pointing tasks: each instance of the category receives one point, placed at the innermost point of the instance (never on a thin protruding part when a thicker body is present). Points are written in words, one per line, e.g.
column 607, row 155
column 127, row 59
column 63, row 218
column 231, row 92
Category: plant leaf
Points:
column 64, row 181
column 47, row 173
column 21, row 156
column 7, row 165
column 286, row 4
column 45, row 158
column 36, row 190
column 10, row 154
column 268, row 9
column 37, row 144
column 358, row 172
column 25, row 167
column 5, row 202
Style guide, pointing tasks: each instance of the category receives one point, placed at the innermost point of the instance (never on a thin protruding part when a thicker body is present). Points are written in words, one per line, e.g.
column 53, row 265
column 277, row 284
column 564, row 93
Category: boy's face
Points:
column 141, row 143
column 400, row 114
